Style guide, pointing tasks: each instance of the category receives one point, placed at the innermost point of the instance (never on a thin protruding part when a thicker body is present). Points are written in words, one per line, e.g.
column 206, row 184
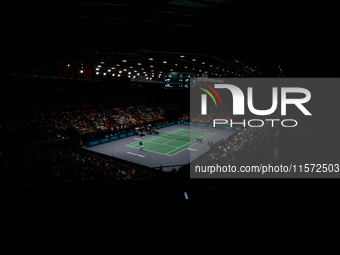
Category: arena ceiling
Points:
column 251, row 30
column 181, row 13
column 169, row 25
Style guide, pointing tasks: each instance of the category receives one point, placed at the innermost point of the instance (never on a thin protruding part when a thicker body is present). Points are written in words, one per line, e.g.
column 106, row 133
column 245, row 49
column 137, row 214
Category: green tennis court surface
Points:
column 171, row 143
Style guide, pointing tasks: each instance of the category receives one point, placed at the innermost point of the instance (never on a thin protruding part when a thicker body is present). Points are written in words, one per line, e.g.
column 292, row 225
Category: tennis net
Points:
column 180, row 137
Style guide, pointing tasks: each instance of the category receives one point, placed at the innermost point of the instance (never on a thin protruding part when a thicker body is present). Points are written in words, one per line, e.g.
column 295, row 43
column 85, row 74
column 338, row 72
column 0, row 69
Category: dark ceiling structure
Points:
column 180, row 13
column 167, row 25
column 268, row 31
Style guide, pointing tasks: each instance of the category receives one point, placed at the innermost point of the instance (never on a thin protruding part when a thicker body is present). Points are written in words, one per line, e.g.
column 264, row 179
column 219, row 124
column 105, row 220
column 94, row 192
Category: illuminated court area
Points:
column 173, row 146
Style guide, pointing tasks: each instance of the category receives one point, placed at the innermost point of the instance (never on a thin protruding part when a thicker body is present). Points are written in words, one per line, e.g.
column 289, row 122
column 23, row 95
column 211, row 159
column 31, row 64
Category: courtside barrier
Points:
column 109, row 139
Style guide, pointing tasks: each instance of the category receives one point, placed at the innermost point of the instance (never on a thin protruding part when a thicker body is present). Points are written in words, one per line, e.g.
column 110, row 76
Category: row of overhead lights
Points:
column 144, row 73
column 165, row 62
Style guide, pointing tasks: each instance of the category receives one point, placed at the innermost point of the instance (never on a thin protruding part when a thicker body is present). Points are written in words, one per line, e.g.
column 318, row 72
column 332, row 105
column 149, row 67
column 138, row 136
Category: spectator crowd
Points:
column 243, row 142
column 68, row 165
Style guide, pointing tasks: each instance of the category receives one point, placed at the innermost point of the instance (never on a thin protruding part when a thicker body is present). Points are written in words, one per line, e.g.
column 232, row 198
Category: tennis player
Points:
column 141, row 145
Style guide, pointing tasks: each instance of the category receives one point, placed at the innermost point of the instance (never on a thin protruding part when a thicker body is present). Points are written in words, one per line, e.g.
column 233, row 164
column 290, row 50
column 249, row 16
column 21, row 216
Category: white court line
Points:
column 193, row 143
column 179, row 147
column 148, row 150
column 162, row 144
column 148, row 141
column 160, row 152
column 210, row 134
column 135, row 154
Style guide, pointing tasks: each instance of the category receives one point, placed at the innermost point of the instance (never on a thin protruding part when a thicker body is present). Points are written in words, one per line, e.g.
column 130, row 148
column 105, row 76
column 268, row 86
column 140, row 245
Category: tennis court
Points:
column 172, row 142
